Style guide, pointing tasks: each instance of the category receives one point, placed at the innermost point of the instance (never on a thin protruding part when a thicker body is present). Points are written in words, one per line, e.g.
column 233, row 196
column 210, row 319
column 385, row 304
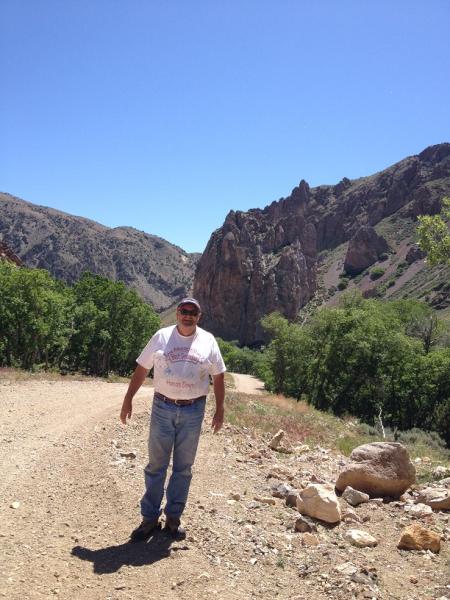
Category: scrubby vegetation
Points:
column 367, row 358
column 434, row 236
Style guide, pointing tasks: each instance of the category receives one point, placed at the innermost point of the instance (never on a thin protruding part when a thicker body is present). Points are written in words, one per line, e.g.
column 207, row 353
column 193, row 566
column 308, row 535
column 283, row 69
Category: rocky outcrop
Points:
column 7, row 255
column 378, row 469
column 266, row 259
column 364, row 249
column 413, row 254
column 67, row 246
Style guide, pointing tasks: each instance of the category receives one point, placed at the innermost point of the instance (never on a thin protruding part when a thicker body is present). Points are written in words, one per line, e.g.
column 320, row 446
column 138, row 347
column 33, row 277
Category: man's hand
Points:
column 217, row 421
column 139, row 375
column 127, row 409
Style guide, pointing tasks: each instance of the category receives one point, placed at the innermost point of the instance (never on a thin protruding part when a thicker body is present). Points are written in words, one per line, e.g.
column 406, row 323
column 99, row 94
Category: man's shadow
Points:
column 112, row 558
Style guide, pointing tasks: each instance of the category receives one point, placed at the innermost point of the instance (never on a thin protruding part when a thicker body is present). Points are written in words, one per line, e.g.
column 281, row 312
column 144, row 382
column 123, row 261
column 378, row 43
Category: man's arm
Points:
column 219, row 393
column 139, row 375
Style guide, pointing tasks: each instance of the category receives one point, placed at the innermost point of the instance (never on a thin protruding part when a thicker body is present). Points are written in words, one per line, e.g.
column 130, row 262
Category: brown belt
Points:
column 181, row 402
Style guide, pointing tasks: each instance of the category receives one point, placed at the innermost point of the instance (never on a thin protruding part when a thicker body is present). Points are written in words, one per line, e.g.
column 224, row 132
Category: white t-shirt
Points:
column 182, row 364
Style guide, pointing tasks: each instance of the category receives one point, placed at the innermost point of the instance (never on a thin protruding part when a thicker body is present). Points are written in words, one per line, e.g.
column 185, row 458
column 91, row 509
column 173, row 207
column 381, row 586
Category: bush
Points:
column 383, row 256
column 401, row 268
column 240, row 360
column 343, row 284
column 376, row 273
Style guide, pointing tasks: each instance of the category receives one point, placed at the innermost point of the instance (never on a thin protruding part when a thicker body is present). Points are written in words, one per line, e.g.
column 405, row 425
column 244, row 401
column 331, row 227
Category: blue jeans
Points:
column 172, row 428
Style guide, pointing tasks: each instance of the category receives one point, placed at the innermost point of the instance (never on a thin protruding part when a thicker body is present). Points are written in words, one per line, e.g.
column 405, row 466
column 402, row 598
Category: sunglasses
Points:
column 189, row 313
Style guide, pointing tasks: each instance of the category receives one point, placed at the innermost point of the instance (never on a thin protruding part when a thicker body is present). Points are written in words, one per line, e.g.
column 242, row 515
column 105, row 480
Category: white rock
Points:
column 418, row 510
column 320, row 502
column 346, row 568
column 354, row 497
column 360, row 538
column 15, row 504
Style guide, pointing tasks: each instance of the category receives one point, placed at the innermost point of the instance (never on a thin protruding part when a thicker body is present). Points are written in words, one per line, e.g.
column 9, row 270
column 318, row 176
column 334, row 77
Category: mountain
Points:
column 311, row 245
column 67, row 246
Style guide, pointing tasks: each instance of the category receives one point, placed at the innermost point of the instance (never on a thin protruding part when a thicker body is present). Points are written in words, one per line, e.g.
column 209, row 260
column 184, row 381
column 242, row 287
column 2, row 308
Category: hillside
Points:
column 67, row 246
column 70, row 489
column 311, row 245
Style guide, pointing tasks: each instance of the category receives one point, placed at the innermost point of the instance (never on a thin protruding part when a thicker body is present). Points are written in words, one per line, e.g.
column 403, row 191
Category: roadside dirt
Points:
column 69, row 496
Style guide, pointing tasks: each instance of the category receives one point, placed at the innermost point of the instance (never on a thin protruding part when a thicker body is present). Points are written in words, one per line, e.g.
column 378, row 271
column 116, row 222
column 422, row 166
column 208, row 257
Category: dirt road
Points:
column 69, row 497
column 77, row 499
column 247, row 384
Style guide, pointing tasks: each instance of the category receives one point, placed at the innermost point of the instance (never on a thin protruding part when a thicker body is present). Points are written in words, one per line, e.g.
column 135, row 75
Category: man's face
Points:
column 188, row 315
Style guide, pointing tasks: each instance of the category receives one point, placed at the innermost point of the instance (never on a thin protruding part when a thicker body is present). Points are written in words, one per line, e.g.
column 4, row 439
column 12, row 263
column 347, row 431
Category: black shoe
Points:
column 142, row 533
column 173, row 526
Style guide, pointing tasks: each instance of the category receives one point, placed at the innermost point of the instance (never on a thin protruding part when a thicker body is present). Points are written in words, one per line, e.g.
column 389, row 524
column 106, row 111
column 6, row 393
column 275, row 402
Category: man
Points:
column 183, row 356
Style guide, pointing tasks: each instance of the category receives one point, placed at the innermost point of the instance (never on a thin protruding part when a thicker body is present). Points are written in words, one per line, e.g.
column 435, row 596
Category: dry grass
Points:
column 269, row 413
column 304, row 424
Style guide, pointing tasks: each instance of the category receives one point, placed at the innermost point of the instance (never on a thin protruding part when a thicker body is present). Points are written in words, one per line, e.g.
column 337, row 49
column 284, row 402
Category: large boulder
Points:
column 378, row 469
column 320, row 502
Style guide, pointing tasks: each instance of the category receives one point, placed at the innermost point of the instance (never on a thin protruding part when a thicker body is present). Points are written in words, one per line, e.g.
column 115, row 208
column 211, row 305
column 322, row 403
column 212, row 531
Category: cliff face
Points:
column 67, row 246
column 266, row 259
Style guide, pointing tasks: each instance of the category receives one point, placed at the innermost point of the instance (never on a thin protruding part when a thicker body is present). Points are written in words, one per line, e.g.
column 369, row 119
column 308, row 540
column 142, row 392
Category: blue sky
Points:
column 166, row 114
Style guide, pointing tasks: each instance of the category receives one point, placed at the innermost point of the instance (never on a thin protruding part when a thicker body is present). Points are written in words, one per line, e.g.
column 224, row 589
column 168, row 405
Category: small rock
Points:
column 264, row 500
column 360, row 538
column 349, row 515
column 276, row 440
column 418, row 510
column 129, row 454
column 281, row 490
column 15, row 504
column 416, row 537
column 304, row 525
column 204, row 576
column 281, row 443
column 309, row 539
column 346, row 568
column 354, row 497
column 234, row 496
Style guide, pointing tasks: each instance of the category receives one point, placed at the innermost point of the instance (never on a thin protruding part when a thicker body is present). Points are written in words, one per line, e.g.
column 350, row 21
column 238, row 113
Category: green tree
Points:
column 35, row 317
column 434, row 236
column 363, row 357
column 111, row 326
